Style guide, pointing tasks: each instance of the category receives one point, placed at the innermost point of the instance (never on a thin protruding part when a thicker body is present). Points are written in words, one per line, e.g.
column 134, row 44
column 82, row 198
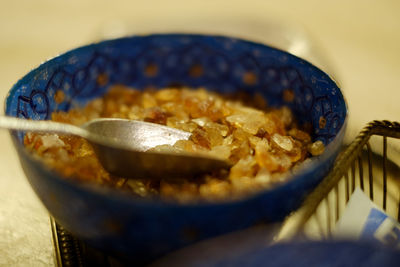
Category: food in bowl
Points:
column 145, row 228
column 261, row 142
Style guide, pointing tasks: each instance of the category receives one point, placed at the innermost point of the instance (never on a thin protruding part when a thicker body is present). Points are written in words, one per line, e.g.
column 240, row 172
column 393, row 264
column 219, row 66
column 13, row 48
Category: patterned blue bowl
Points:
column 142, row 229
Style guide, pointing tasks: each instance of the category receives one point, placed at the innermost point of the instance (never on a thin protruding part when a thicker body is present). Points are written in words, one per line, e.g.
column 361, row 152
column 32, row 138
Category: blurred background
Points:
column 357, row 42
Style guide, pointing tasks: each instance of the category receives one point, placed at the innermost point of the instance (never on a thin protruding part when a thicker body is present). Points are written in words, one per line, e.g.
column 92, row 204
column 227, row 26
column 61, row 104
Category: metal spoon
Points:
column 121, row 146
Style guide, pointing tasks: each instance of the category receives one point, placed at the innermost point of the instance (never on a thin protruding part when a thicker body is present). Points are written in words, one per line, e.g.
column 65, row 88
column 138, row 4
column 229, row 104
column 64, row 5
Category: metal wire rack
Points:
column 357, row 166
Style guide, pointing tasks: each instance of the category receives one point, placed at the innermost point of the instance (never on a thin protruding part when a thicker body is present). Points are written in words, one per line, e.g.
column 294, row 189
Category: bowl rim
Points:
column 304, row 169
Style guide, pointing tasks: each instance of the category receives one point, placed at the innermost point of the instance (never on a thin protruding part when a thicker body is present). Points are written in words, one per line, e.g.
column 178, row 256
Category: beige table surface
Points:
column 360, row 40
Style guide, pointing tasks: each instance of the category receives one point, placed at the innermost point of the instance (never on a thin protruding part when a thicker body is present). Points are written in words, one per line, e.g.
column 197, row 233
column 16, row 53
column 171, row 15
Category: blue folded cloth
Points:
column 304, row 254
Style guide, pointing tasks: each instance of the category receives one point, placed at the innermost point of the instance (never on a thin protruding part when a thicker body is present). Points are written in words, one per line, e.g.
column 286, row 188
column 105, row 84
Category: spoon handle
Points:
column 12, row 123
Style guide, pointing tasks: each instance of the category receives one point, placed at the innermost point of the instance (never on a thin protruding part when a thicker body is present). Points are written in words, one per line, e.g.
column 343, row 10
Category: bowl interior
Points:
column 216, row 63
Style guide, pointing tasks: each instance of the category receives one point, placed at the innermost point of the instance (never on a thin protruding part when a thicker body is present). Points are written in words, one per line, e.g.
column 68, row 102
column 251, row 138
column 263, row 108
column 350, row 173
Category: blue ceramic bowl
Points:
column 143, row 229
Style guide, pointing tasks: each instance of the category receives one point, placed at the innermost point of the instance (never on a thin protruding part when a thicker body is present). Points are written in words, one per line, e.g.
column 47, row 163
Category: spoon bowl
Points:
column 122, row 146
